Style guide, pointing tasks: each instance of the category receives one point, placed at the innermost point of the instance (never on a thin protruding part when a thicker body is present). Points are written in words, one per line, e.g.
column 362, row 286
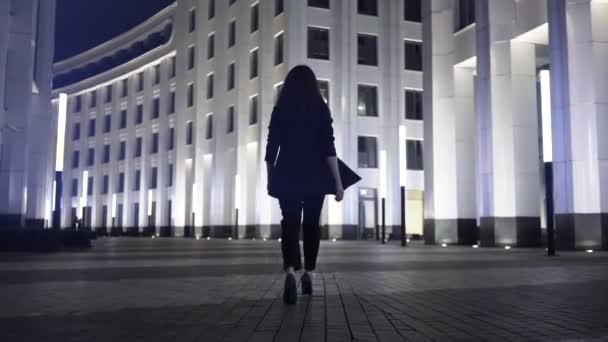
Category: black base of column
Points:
column 510, row 231
column 565, row 226
column 10, row 221
column 435, row 231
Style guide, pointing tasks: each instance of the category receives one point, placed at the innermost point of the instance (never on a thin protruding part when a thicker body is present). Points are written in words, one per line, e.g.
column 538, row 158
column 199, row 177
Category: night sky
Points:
column 83, row 24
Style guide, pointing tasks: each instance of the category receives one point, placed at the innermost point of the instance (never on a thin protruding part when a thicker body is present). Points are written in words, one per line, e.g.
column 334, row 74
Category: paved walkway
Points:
column 188, row 290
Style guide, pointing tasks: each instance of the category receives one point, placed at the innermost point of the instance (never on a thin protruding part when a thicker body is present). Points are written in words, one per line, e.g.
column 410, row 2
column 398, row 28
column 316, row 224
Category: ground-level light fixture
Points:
column 475, row 246
column 507, row 247
column 444, row 245
column 590, row 251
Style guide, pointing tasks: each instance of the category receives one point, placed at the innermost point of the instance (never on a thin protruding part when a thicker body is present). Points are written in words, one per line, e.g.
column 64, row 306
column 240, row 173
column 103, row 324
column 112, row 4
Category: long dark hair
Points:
column 300, row 93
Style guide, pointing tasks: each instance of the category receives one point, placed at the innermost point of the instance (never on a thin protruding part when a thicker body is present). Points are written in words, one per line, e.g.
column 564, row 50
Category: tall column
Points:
column 509, row 163
column 579, row 98
column 445, row 220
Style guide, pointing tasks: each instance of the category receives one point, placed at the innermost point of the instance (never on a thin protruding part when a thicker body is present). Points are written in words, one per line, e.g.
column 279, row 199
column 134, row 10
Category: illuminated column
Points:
column 579, row 106
column 510, row 178
column 444, row 221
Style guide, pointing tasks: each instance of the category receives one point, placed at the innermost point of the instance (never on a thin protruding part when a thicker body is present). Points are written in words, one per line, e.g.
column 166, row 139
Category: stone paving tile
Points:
column 188, row 290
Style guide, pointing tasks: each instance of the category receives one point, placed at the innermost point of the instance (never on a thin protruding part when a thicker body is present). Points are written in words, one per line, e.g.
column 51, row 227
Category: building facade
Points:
column 166, row 125
column 26, row 55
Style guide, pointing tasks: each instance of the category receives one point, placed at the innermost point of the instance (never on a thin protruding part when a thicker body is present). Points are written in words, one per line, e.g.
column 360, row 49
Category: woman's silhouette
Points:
column 301, row 133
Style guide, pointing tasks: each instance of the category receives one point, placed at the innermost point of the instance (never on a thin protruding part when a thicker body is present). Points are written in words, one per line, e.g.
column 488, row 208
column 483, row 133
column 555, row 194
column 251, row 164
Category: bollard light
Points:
column 507, row 247
column 229, row 238
column 208, row 238
column 475, row 246
column 590, row 251
column 444, row 245
column 333, row 240
column 279, row 239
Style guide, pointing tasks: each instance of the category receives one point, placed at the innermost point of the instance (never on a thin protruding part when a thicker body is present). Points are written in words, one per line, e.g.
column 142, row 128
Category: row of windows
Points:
column 411, row 9
column 279, row 6
column 104, row 186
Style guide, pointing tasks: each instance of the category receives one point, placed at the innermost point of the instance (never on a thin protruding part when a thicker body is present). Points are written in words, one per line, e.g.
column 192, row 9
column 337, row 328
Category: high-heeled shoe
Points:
column 290, row 294
column 306, row 284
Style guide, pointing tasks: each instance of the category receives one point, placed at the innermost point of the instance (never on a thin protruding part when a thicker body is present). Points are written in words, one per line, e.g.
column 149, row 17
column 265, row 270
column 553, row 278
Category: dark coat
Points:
column 303, row 143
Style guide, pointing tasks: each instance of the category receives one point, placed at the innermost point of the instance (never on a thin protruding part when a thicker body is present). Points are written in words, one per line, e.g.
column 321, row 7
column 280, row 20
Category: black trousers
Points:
column 292, row 209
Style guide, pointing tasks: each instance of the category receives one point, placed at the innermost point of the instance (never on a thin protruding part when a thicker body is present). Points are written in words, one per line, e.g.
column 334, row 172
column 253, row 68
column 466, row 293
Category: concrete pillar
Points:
column 445, row 220
column 508, row 149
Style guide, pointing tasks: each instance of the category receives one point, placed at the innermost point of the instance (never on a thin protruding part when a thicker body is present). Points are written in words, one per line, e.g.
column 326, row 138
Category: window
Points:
column 170, row 175
column 255, row 17
column 367, row 152
column 278, row 49
column 412, row 10
column 413, row 55
column 319, row 3
column 367, row 50
column 324, row 90
column 210, row 82
column 173, row 67
column 414, row 155
column 105, row 185
column 122, row 152
column 318, row 43
column 106, row 154
column 413, row 105
column 279, row 7
column 107, row 123
column 138, row 147
column 154, row 147
column 74, row 187
column 231, row 33
column 125, row 87
column 154, row 178
column 91, row 127
column 90, row 186
column 231, row 71
column 156, row 108
column 367, row 104
column 465, row 14
column 157, row 74
column 171, row 109
column 253, row 67
column 76, row 131
column 78, row 104
column 75, row 159
column 140, row 81
column 171, row 140
column 109, row 93
column 367, row 7
column 191, row 54
column 230, row 120
column 209, row 133
column 211, row 9
column 139, row 114
column 137, row 180
column 189, row 133
column 121, row 183
column 123, row 119
column 253, row 110
column 192, row 23
column 190, row 95
column 93, row 99
column 91, row 157
column 211, row 46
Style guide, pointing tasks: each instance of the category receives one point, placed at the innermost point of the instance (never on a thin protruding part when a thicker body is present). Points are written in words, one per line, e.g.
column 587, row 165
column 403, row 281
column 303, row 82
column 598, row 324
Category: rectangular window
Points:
column 412, row 10
column 154, row 147
column 91, row 157
column 109, row 93
column 367, row 152
column 123, row 119
column 156, row 108
column 122, row 152
column 138, row 147
column 367, row 104
column 367, row 49
column 210, row 82
column 190, row 95
column 255, row 18
column 107, row 123
column 74, row 187
column 319, row 3
column 171, row 140
column 105, row 185
column 211, row 46
column 209, row 133
column 279, row 7
column 140, row 81
column 106, row 154
column 90, row 186
column 413, row 55
column 173, row 67
column 324, row 90
column 414, row 155
column 253, row 110
column 76, row 131
column 139, row 114
column 137, row 180
column 211, row 9
column 171, row 109
column 91, row 127
column 75, row 159
column 253, row 71
column 170, row 175
column 318, row 43
column 93, row 99
column 231, row 33
column 413, row 105
column 367, row 7
column 189, row 133
column 154, row 178
column 465, row 14
column 157, row 74
column 78, row 104
column 278, row 49
column 230, row 121
column 192, row 22
column 120, row 186
column 125, row 87
column 231, row 75
column 191, row 56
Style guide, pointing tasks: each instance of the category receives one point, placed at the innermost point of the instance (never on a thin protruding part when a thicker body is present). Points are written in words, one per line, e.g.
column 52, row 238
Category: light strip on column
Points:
column 61, row 122
column 545, row 102
column 54, row 195
column 237, row 191
column 113, row 205
column 383, row 189
column 150, row 202
column 85, row 189
column 402, row 156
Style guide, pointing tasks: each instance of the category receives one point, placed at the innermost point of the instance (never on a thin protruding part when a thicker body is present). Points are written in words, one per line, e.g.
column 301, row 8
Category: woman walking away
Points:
column 301, row 126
